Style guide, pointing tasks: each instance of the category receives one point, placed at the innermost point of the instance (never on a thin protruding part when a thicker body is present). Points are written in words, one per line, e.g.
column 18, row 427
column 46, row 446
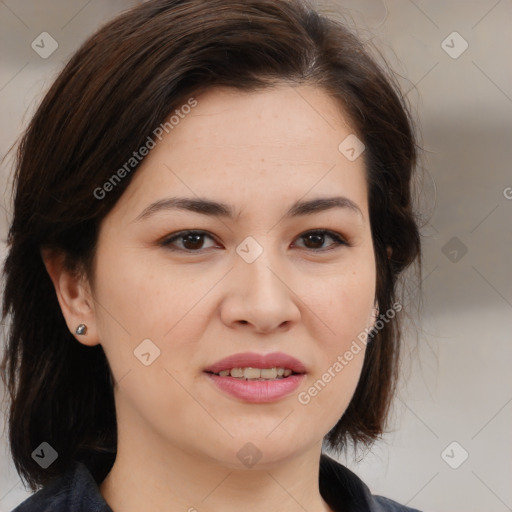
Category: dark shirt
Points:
column 77, row 491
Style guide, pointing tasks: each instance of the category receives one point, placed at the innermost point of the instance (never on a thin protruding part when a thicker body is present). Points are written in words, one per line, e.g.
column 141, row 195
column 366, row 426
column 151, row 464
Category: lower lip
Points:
column 257, row 391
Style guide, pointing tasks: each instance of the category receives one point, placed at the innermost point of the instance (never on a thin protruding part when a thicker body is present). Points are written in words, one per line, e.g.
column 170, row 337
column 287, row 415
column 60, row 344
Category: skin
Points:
column 178, row 434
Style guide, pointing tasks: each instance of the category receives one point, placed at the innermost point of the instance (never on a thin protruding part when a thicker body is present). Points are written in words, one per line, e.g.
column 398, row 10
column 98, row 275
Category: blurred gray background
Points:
column 450, row 447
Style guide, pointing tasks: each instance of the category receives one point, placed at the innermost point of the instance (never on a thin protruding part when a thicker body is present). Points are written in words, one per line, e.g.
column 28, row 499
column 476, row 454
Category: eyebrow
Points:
column 217, row 209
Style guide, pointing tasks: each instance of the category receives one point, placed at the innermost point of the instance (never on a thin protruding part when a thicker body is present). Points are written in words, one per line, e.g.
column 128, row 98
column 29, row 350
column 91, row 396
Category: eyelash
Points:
column 338, row 240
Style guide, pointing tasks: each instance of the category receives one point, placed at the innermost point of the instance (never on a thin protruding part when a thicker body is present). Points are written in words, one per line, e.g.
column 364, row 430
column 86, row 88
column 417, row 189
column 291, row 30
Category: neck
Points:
column 146, row 477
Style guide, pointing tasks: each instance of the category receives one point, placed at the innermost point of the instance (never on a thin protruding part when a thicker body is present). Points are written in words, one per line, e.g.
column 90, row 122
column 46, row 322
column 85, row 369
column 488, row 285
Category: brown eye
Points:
column 193, row 241
column 187, row 241
column 314, row 240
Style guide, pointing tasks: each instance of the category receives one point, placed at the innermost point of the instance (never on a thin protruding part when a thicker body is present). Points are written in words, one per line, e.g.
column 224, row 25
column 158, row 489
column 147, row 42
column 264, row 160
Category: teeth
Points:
column 252, row 373
column 257, row 373
column 268, row 373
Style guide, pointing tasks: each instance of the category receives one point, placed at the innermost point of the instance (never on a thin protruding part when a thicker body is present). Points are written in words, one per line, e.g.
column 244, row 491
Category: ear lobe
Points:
column 74, row 296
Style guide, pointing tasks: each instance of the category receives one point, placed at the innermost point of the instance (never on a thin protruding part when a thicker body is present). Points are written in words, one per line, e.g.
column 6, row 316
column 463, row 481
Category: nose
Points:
column 260, row 296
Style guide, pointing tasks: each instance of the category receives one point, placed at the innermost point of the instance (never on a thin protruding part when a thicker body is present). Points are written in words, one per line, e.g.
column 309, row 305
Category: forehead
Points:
column 238, row 146
column 278, row 116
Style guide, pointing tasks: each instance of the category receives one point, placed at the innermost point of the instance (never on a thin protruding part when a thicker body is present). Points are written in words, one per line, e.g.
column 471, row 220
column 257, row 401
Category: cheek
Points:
column 138, row 301
column 143, row 299
column 327, row 396
column 344, row 303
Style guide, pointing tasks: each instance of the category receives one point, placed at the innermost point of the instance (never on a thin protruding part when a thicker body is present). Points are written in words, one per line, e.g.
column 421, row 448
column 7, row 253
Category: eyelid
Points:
column 166, row 241
column 337, row 237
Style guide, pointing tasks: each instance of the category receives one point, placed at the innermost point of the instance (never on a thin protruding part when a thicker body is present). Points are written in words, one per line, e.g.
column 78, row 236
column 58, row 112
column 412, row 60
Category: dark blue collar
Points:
column 77, row 491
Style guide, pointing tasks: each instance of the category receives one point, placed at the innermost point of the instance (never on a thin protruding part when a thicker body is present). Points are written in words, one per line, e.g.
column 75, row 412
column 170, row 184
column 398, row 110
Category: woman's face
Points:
column 258, row 281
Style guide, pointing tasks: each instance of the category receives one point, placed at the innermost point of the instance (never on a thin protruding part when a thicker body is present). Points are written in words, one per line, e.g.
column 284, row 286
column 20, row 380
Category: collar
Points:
column 77, row 491
column 342, row 489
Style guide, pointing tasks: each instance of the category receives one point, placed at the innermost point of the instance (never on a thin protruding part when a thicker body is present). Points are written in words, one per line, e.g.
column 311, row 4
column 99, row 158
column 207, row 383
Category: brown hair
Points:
column 122, row 83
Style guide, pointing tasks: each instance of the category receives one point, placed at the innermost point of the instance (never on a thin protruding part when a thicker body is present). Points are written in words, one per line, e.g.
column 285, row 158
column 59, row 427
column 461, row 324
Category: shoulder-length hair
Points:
column 121, row 84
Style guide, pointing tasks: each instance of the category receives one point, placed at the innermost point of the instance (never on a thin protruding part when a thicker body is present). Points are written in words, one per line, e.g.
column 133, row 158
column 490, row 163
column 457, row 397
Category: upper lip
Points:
column 255, row 360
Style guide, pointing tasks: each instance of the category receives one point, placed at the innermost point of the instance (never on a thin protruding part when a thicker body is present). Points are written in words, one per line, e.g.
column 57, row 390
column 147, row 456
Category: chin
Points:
column 260, row 450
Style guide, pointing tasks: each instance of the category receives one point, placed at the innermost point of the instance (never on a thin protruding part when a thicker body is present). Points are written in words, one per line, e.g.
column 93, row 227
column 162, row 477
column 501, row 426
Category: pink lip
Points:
column 254, row 360
column 255, row 391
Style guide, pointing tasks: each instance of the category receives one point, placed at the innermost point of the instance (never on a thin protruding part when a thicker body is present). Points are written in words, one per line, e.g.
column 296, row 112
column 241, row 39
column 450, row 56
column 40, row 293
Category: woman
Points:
column 212, row 208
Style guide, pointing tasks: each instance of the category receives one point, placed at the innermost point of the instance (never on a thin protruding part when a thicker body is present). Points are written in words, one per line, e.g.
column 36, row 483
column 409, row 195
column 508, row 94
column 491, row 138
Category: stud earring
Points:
column 81, row 329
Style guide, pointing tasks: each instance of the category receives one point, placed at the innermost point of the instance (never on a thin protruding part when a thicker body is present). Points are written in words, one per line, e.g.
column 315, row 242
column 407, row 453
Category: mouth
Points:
column 260, row 374
column 251, row 365
column 257, row 378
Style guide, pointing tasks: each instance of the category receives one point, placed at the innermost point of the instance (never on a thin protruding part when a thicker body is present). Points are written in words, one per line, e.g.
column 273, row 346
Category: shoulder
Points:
column 74, row 491
column 344, row 490
column 387, row 505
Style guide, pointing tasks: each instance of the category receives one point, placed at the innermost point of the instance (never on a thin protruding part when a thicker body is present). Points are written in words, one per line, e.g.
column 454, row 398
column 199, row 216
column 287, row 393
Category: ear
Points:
column 389, row 251
column 74, row 296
